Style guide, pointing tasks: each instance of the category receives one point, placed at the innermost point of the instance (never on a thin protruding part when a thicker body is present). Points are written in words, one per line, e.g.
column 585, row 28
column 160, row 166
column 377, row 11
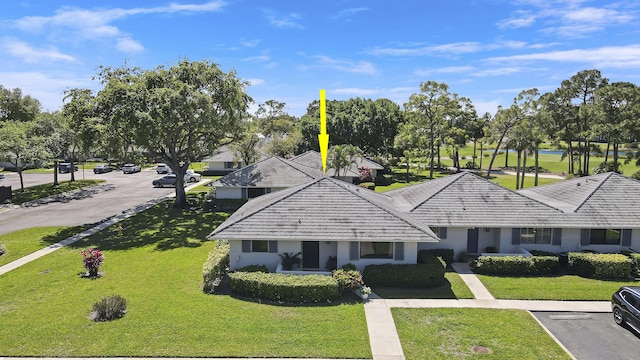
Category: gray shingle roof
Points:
column 225, row 154
column 324, row 209
column 465, row 199
column 314, row 159
column 272, row 172
column 605, row 200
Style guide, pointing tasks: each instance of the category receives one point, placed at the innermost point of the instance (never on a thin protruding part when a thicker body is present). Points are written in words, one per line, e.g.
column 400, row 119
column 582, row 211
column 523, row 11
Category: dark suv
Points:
column 625, row 305
column 66, row 167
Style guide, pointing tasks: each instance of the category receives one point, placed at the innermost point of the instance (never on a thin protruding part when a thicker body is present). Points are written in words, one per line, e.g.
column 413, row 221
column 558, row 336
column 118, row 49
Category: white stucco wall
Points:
column 228, row 193
column 410, row 256
column 239, row 259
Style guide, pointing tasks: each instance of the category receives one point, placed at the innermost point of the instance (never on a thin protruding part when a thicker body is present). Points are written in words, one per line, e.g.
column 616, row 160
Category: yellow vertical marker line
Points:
column 323, row 137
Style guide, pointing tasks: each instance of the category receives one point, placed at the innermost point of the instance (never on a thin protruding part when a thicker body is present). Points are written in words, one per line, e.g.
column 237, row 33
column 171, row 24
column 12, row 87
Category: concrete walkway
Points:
column 385, row 343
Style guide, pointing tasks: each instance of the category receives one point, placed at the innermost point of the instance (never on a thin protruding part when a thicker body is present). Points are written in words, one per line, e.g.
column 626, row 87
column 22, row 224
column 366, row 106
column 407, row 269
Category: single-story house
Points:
column 472, row 215
column 313, row 159
column 224, row 159
column 265, row 176
column 322, row 218
column 603, row 211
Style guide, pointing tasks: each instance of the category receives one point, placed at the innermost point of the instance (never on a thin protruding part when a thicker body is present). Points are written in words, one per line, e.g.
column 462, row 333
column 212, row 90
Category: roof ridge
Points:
column 605, row 178
column 296, row 166
column 284, row 195
column 399, row 214
column 449, row 183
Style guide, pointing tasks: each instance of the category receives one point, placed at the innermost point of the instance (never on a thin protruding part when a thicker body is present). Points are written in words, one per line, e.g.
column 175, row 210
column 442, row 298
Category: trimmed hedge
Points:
column 285, row 287
column 635, row 257
column 517, row 265
column 445, row 254
column 427, row 275
column 253, row 268
column 600, row 266
column 215, row 266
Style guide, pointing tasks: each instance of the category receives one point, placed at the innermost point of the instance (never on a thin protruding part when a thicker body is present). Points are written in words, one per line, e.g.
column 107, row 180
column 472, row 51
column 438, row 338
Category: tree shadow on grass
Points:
column 443, row 291
column 161, row 225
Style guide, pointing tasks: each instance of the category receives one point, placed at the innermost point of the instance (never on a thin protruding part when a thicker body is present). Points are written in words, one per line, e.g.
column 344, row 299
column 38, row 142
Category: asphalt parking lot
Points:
column 591, row 336
column 128, row 191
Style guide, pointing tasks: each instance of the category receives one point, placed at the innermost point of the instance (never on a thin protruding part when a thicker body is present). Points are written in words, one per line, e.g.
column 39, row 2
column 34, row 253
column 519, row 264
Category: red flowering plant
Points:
column 366, row 175
column 92, row 260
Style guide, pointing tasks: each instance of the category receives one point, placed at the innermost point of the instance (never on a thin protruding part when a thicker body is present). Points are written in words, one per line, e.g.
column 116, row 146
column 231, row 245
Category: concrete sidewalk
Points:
column 383, row 337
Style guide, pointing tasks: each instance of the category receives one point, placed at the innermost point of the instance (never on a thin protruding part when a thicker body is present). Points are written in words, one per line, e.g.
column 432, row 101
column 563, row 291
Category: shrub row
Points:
column 285, row 287
column 253, row 268
column 600, row 266
column 426, row 275
column 215, row 266
column 635, row 257
column 517, row 265
column 445, row 254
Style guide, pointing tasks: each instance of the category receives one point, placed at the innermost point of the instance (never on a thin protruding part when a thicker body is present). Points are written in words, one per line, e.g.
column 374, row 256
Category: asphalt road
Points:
column 128, row 191
column 591, row 336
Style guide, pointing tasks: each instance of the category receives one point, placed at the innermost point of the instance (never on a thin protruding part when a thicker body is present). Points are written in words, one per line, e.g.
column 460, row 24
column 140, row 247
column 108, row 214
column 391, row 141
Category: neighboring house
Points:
column 322, row 218
column 313, row 159
column 603, row 211
column 269, row 175
column 225, row 160
column 473, row 215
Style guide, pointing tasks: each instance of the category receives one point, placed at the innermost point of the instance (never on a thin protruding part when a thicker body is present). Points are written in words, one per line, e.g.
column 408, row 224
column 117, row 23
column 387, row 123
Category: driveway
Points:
column 127, row 191
column 591, row 335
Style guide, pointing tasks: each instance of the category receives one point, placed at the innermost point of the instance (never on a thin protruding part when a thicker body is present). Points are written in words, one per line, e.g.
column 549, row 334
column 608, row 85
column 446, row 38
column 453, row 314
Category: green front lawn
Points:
column 453, row 288
column 469, row 333
column 45, row 190
column 156, row 266
column 562, row 287
column 23, row 242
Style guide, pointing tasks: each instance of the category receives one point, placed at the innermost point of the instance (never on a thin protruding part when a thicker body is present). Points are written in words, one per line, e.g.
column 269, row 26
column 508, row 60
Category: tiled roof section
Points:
column 225, row 154
column 273, row 172
column 314, row 159
column 466, row 199
column 324, row 209
column 605, row 200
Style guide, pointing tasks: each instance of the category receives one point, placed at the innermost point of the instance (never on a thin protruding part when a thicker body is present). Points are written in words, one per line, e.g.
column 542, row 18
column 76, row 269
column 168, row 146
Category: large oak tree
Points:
column 179, row 114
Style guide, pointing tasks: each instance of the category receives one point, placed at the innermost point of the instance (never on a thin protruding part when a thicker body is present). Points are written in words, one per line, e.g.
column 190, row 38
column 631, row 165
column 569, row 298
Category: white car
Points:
column 163, row 169
column 191, row 176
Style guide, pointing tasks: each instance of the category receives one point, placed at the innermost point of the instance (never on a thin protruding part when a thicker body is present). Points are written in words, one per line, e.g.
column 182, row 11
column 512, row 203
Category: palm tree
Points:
column 341, row 157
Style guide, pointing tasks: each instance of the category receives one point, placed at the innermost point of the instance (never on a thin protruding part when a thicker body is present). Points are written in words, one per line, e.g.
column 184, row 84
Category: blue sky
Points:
column 485, row 50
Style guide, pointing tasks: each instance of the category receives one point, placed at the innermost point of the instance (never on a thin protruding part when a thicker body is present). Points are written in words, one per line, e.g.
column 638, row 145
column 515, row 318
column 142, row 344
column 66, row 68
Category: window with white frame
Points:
column 535, row 236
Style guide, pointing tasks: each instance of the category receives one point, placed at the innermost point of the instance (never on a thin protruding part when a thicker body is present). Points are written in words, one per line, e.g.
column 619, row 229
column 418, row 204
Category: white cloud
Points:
column 444, row 70
column 284, row 21
column 359, row 67
column 604, row 57
column 30, row 54
column 85, row 24
column 452, row 48
column 128, row 45
column 256, row 82
column 250, row 43
column 346, row 13
column 356, row 91
column 502, row 71
column 47, row 88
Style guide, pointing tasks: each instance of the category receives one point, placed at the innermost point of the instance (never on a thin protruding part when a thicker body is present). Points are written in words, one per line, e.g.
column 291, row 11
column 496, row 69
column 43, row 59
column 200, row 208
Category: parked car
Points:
column 163, row 168
column 131, row 168
column 167, row 180
column 66, row 167
column 625, row 305
column 191, row 176
column 102, row 168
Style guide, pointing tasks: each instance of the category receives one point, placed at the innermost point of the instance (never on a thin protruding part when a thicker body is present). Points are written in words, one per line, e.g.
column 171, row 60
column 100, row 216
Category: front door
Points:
column 310, row 254
column 472, row 241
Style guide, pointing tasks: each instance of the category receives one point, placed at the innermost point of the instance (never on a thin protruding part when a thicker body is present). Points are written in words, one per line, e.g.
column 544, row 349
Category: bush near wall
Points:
column 600, row 266
column 253, row 268
column 427, row 275
column 285, row 287
column 215, row 266
column 635, row 257
column 445, row 254
column 517, row 265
